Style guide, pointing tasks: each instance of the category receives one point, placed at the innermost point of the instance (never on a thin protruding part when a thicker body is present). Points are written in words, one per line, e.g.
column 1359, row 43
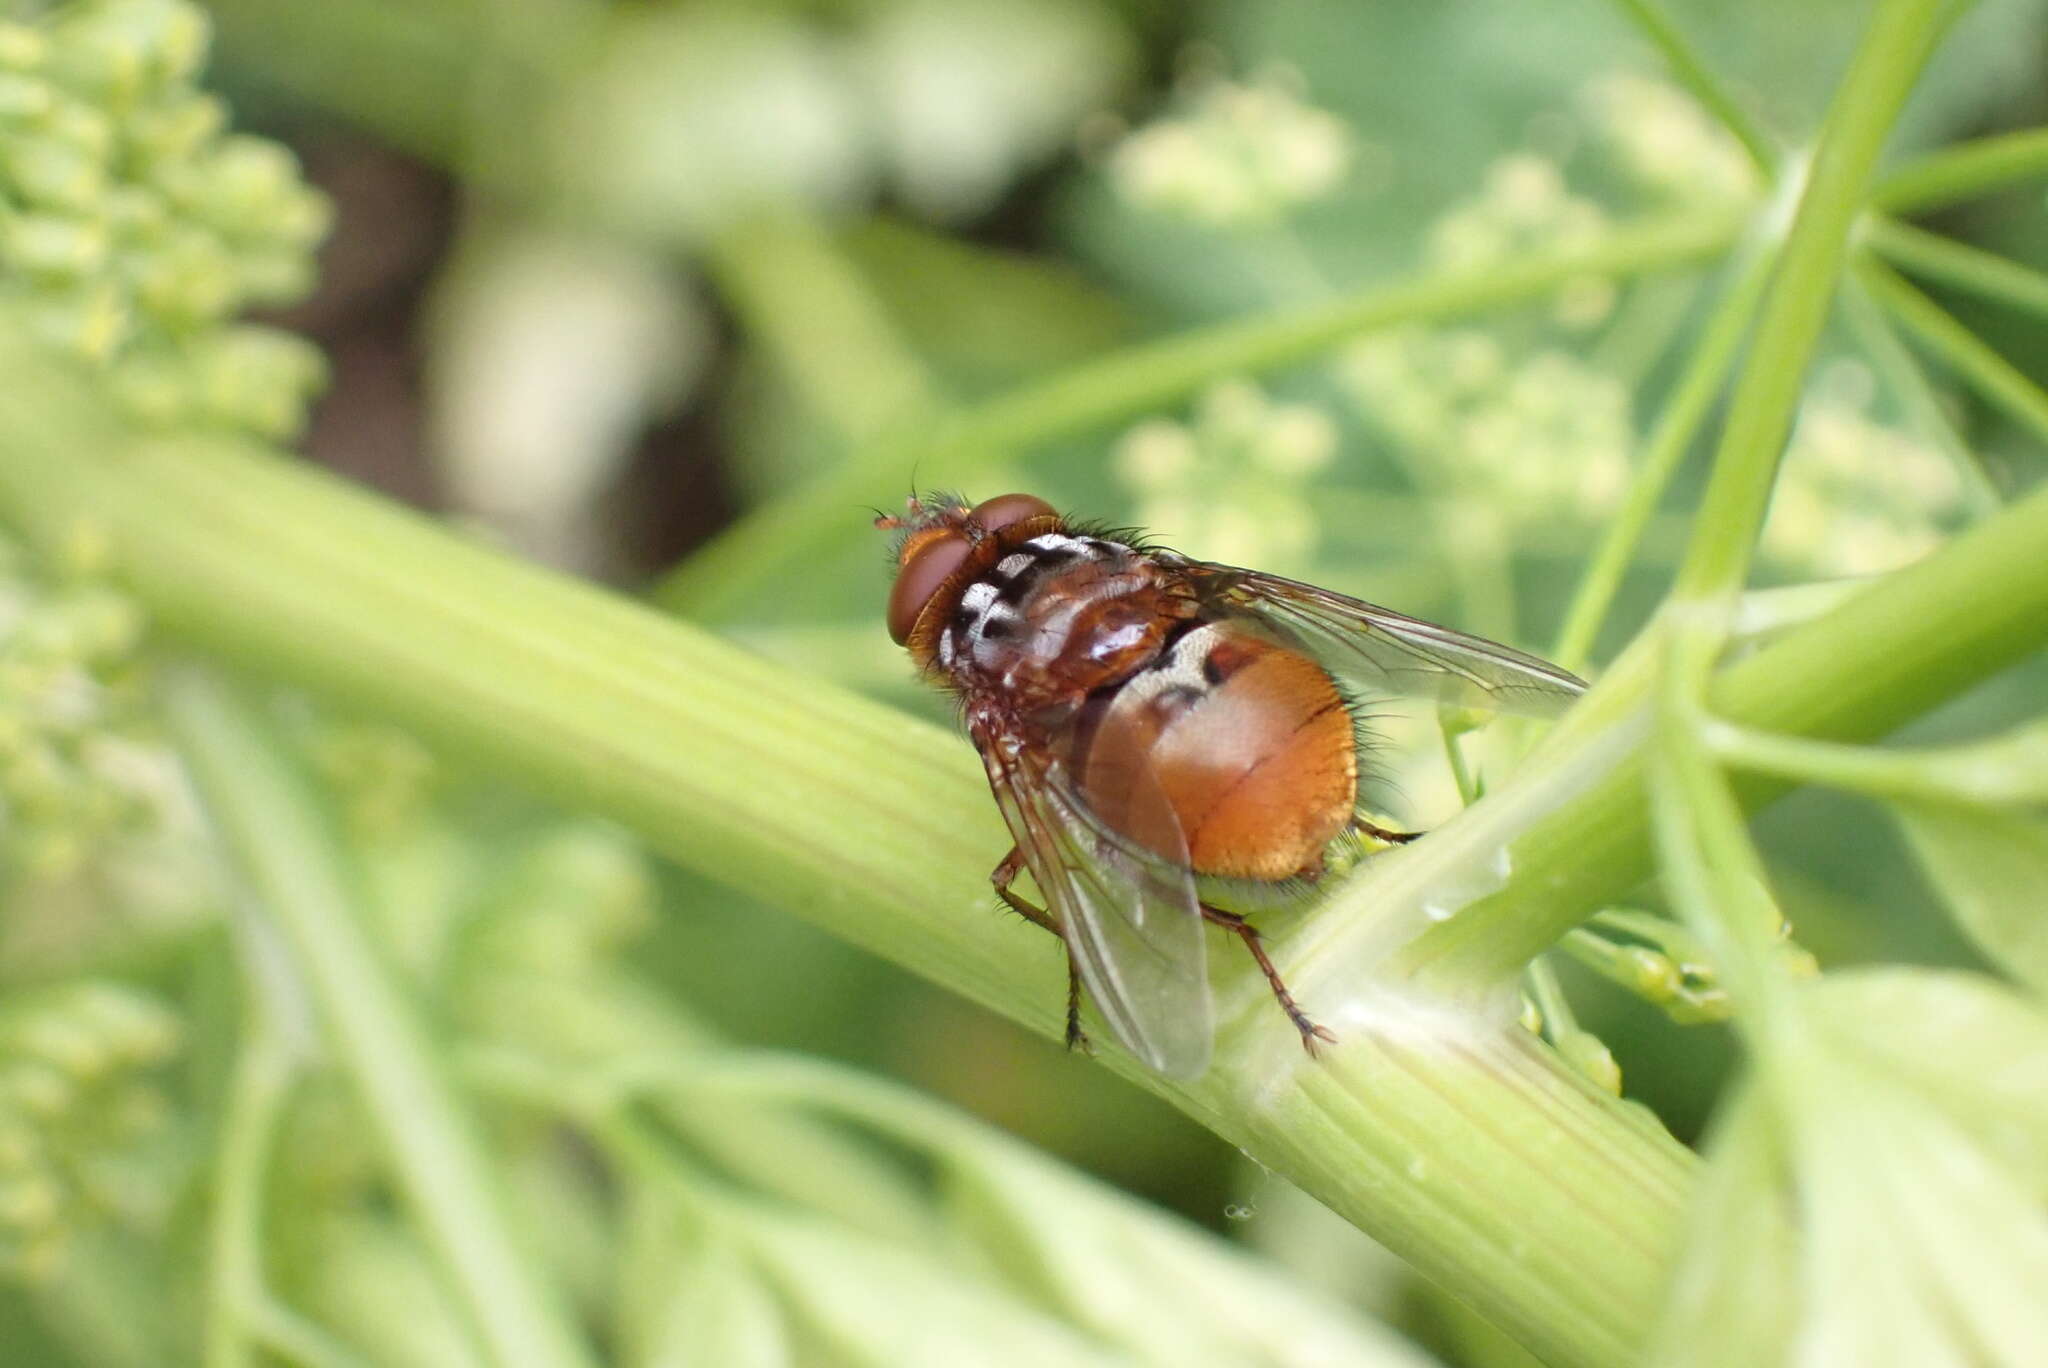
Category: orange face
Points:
column 944, row 548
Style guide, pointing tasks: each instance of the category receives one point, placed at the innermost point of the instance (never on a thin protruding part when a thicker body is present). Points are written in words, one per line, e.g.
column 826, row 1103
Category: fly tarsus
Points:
column 1313, row 1036
column 1001, row 877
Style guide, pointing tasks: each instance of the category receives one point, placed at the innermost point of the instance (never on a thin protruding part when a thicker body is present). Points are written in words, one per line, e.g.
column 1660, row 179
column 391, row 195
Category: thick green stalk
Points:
column 1555, row 1217
column 1894, row 49
column 725, row 578
column 274, row 823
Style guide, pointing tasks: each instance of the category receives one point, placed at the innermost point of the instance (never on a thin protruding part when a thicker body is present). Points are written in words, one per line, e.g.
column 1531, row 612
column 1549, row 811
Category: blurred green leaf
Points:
column 367, row 1276
column 1991, row 867
column 865, row 1302
column 1974, row 1046
column 1903, row 1133
column 688, row 1296
column 980, row 315
column 1121, row 1270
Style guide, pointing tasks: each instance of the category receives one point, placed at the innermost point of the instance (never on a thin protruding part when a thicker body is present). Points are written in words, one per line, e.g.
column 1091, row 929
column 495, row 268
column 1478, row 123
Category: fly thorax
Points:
column 1057, row 615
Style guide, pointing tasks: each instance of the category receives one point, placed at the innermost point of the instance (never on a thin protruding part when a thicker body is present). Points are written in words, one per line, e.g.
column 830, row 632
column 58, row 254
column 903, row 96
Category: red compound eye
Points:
column 1004, row 509
column 925, row 569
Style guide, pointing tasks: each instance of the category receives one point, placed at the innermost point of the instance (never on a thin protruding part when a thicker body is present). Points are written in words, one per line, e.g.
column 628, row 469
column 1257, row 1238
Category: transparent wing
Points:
column 1418, row 659
column 1129, row 915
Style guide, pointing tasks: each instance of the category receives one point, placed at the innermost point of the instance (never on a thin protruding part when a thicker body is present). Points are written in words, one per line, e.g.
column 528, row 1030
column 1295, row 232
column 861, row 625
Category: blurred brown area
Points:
column 394, row 227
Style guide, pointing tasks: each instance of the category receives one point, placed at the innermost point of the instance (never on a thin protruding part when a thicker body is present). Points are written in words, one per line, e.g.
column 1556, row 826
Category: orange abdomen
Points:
column 1258, row 763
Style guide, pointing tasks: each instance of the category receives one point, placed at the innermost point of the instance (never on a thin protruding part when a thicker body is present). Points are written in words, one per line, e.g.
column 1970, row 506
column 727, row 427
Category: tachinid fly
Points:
column 1156, row 727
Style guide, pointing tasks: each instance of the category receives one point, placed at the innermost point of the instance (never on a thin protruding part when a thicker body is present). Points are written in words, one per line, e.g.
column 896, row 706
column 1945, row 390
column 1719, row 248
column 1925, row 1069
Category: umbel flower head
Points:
column 1235, row 155
column 133, row 227
column 1234, row 479
column 73, row 1096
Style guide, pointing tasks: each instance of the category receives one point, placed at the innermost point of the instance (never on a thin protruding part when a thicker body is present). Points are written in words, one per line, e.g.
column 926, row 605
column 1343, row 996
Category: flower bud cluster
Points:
column 1233, row 483
column 383, row 777
column 74, row 1094
column 1667, row 143
column 1541, row 437
column 133, row 226
column 1234, row 156
column 1522, row 207
column 100, row 844
column 1855, row 496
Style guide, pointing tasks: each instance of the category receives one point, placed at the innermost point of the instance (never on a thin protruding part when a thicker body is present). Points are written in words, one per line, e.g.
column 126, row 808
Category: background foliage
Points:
column 347, row 1011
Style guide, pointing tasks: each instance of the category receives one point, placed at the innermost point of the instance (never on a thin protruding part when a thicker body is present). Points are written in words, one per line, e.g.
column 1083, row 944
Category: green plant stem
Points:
column 1713, row 873
column 1959, row 264
column 1991, row 375
column 725, row 578
column 1559, row 1020
column 1454, row 756
column 1679, row 423
column 1901, row 370
column 1708, row 865
column 276, row 827
column 1694, row 74
column 1894, row 48
column 1957, row 173
column 257, row 1088
column 873, row 825
column 1896, row 648
column 295, row 1339
column 1974, row 775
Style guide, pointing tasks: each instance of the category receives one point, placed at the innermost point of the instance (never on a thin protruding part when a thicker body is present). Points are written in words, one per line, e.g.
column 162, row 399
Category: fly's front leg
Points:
column 1380, row 833
column 1077, row 1039
column 1002, row 876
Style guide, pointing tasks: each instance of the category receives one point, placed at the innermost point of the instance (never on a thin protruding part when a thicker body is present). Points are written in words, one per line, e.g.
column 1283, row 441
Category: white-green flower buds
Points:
column 1234, row 156
column 133, row 228
column 71, row 1097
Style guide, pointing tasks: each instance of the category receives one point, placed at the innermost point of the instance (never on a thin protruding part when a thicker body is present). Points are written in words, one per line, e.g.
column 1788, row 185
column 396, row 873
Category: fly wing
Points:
column 1416, row 658
column 1129, row 914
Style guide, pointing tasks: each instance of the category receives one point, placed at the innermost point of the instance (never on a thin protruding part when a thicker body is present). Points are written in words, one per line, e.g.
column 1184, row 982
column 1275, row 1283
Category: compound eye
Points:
column 924, row 570
column 1004, row 509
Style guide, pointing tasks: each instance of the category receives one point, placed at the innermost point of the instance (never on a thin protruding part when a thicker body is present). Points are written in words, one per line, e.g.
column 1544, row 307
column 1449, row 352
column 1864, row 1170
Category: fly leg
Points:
column 1380, row 833
column 1077, row 1039
column 1002, row 876
column 1249, row 934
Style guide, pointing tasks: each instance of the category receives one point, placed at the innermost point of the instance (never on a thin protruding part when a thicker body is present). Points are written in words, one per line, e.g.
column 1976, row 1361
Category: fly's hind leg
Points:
column 1311, row 1033
column 1002, row 876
